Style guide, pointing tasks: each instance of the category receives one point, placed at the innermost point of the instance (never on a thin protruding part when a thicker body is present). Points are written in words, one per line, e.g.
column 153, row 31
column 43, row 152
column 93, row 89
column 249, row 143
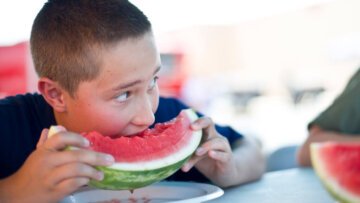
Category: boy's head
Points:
column 97, row 63
column 68, row 35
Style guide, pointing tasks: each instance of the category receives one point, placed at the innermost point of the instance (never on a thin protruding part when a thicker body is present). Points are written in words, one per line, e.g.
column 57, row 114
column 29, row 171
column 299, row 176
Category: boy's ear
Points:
column 53, row 94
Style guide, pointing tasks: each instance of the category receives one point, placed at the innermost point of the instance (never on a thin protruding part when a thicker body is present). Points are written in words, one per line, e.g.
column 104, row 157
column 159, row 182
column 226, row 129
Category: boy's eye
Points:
column 153, row 82
column 123, row 97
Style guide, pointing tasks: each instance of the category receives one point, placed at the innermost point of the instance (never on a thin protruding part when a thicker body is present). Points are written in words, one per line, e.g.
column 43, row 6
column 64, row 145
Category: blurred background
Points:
column 265, row 67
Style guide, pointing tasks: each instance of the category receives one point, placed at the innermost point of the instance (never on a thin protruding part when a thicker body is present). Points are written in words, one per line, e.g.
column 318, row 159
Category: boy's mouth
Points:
column 128, row 135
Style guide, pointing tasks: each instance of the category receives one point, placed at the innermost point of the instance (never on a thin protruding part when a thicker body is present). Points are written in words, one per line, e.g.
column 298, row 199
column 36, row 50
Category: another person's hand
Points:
column 214, row 157
column 318, row 134
column 50, row 173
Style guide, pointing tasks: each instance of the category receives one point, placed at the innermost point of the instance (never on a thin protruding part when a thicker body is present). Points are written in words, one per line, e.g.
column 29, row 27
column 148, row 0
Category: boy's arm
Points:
column 317, row 134
column 249, row 160
column 247, row 163
column 221, row 164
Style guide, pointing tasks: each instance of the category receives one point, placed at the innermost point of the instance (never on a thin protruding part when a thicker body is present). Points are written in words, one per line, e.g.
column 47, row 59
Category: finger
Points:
column 214, row 144
column 69, row 186
column 43, row 137
column 207, row 126
column 219, row 156
column 74, row 170
column 217, row 143
column 201, row 123
column 201, row 151
column 61, row 140
column 191, row 163
column 84, row 156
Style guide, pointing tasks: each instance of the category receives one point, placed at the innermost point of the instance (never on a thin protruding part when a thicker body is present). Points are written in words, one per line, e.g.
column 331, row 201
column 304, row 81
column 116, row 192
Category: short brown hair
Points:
column 67, row 34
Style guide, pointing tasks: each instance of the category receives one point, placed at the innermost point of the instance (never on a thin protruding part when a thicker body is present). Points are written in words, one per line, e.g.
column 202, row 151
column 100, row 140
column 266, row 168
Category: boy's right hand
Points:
column 50, row 173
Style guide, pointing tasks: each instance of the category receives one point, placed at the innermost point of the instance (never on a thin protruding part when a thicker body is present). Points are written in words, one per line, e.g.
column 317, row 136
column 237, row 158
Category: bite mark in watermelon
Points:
column 148, row 157
column 338, row 166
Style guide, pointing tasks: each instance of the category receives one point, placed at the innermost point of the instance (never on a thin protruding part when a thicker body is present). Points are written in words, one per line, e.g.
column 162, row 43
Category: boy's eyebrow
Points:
column 127, row 85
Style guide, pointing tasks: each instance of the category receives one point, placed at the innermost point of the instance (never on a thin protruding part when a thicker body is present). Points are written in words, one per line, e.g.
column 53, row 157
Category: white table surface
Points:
column 299, row 185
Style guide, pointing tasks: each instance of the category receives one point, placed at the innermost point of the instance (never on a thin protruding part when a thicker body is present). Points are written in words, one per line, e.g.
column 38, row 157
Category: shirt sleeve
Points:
column 343, row 115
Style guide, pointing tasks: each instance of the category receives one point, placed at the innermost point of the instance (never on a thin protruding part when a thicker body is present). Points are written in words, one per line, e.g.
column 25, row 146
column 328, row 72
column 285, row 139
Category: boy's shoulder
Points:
column 25, row 107
column 21, row 99
column 169, row 101
column 168, row 109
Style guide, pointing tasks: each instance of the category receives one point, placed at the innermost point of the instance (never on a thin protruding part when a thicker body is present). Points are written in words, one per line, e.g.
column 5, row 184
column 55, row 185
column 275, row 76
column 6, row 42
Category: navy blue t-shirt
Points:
column 23, row 117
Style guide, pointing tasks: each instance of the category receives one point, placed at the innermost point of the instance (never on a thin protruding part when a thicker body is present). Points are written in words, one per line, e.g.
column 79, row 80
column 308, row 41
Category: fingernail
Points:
column 186, row 167
column 194, row 126
column 212, row 154
column 109, row 160
column 99, row 175
column 200, row 151
column 86, row 143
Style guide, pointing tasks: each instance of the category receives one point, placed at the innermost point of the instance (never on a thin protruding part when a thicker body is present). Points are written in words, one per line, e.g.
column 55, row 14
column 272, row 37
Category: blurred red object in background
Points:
column 172, row 74
column 13, row 69
column 17, row 75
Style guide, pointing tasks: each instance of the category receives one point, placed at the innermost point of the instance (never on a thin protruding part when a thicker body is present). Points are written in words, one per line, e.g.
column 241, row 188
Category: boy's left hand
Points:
column 214, row 157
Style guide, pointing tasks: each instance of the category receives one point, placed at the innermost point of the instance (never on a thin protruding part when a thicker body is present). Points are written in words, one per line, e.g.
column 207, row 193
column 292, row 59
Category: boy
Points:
column 339, row 122
column 98, row 64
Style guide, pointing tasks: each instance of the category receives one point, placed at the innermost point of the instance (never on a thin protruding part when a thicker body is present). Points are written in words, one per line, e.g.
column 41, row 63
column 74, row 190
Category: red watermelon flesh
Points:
column 343, row 159
column 145, row 158
column 338, row 165
column 164, row 139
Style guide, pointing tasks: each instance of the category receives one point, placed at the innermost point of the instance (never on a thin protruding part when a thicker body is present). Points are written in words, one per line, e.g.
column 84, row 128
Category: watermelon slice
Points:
column 148, row 157
column 338, row 166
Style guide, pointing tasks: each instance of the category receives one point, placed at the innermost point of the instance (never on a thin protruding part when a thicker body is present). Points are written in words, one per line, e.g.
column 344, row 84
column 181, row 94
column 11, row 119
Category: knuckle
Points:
column 98, row 158
column 83, row 170
column 205, row 145
column 89, row 157
column 78, row 168
column 73, row 169
column 44, row 157
column 49, row 185
column 210, row 120
column 75, row 155
column 206, row 120
column 88, row 170
column 223, row 139
column 57, row 138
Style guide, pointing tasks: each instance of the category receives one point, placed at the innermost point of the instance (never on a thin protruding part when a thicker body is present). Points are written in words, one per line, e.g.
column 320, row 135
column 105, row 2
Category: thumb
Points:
column 43, row 137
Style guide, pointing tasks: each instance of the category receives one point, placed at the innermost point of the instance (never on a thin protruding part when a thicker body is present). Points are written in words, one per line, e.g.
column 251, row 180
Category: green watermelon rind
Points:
column 131, row 176
column 128, row 180
column 128, row 176
column 329, row 183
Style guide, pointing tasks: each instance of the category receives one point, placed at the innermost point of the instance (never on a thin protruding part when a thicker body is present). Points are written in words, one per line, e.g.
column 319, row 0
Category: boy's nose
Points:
column 144, row 114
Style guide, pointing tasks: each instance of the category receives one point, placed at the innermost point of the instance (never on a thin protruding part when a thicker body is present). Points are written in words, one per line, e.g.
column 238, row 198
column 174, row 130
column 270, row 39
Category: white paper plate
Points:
column 179, row 192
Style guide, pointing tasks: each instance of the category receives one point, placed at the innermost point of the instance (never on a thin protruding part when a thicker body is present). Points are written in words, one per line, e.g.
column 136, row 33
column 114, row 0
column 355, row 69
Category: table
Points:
column 299, row 185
